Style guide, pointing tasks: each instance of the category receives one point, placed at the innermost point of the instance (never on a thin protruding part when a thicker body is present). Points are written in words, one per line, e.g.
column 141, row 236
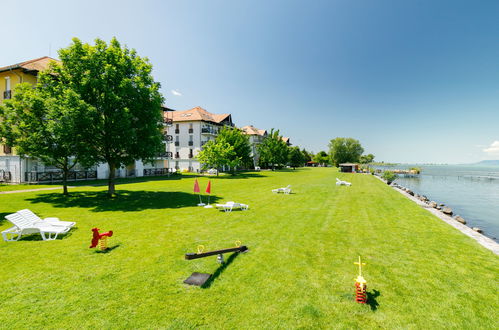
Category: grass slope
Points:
column 299, row 271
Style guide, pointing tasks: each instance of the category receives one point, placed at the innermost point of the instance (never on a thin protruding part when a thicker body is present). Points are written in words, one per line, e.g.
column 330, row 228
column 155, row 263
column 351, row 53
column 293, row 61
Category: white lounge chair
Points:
column 229, row 206
column 29, row 215
column 342, row 183
column 285, row 190
column 23, row 226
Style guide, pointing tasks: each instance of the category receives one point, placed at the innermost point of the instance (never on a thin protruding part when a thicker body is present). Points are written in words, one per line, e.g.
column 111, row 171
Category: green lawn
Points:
column 299, row 272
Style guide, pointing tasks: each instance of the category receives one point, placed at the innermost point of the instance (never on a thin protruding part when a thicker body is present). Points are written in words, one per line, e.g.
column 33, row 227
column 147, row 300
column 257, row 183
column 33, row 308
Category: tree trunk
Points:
column 110, row 183
column 65, row 180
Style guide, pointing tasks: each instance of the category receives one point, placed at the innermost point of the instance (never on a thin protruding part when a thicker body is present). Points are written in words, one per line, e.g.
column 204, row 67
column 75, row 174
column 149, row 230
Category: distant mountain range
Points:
column 488, row 163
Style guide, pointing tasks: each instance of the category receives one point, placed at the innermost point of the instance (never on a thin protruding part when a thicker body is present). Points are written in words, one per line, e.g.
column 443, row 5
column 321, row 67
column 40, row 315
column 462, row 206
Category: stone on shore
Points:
column 433, row 204
column 460, row 219
column 478, row 230
column 447, row 210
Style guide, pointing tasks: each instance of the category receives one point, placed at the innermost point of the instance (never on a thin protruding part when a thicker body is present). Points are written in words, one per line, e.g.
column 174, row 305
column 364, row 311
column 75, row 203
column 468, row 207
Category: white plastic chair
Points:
column 285, row 190
column 23, row 226
column 229, row 206
column 31, row 216
column 342, row 183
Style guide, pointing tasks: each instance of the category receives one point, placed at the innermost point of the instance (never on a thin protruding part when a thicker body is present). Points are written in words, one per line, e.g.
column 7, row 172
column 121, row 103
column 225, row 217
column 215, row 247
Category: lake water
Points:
column 470, row 191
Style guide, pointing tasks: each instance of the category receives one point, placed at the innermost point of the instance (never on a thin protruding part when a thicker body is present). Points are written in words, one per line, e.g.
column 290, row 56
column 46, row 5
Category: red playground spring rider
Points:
column 360, row 285
column 100, row 238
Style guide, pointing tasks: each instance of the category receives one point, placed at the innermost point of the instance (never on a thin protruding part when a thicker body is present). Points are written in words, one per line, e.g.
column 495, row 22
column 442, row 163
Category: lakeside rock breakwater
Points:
column 444, row 209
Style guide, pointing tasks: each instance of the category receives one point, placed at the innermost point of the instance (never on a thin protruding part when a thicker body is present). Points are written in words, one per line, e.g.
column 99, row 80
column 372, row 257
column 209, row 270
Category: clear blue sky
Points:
column 414, row 81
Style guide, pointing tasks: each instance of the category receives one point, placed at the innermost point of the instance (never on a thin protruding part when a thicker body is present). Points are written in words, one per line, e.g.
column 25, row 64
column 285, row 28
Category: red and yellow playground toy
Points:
column 100, row 238
column 360, row 285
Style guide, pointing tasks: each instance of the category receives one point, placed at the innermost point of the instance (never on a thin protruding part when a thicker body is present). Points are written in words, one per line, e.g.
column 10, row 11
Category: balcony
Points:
column 156, row 171
column 167, row 121
column 168, row 138
column 191, row 143
column 56, row 176
column 7, row 95
column 177, row 143
column 209, row 130
column 165, row 154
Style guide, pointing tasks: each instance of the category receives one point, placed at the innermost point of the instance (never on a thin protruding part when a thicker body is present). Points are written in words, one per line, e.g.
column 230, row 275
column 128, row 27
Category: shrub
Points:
column 389, row 176
column 415, row 170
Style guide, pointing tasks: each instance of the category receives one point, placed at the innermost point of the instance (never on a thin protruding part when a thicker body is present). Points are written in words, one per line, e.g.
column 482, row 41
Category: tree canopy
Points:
column 50, row 124
column 216, row 154
column 240, row 143
column 322, row 158
column 117, row 84
column 366, row 159
column 273, row 150
column 295, row 157
column 344, row 150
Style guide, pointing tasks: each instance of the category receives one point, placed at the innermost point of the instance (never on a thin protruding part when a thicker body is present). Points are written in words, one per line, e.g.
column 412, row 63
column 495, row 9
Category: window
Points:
column 177, row 129
column 7, row 83
column 191, row 129
column 7, row 149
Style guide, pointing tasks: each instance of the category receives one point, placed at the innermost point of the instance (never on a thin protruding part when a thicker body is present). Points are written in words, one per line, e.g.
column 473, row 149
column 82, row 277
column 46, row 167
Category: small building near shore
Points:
column 349, row 167
column 311, row 164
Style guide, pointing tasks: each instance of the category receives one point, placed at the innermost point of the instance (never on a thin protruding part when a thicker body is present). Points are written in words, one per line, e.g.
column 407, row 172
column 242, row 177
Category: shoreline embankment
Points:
column 483, row 240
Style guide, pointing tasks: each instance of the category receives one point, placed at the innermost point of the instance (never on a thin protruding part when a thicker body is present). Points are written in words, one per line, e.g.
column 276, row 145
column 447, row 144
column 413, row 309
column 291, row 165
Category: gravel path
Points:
column 29, row 190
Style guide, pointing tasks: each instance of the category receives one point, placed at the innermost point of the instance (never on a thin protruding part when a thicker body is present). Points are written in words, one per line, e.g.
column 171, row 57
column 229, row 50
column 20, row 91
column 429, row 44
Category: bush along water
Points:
column 389, row 176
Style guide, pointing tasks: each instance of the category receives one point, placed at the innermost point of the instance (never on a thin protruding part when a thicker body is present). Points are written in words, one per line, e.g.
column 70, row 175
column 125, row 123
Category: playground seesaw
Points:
column 200, row 279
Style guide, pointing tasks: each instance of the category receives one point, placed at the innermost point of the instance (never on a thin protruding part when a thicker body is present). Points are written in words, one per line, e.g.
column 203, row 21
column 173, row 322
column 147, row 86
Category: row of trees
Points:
column 100, row 104
column 232, row 149
column 343, row 150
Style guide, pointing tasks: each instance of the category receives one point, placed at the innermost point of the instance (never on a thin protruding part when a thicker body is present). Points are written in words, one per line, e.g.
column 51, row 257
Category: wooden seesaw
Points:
column 200, row 279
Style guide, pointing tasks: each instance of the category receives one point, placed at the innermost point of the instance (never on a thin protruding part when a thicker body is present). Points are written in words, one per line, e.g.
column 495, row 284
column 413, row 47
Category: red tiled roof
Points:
column 196, row 114
column 251, row 130
column 37, row 64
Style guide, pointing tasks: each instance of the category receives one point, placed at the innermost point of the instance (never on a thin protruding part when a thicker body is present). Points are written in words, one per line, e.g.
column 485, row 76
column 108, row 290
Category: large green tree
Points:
column 307, row 155
column 240, row 143
column 295, row 157
column 322, row 158
column 366, row 159
column 50, row 124
column 217, row 154
column 118, row 84
column 343, row 150
column 273, row 150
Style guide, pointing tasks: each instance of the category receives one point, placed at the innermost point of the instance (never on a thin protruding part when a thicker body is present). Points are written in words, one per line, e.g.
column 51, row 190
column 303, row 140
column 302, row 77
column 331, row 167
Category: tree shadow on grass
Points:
column 219, row 270
column 371, row 299
column 127, row 201
column 3, row 215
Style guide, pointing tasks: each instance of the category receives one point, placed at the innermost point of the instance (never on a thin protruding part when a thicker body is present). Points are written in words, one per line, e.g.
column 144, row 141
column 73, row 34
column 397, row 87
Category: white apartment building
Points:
column 256, row 137
column 191, row 129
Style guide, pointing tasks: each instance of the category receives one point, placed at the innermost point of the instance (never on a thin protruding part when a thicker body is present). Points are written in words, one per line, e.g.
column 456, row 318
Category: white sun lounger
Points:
column 229, row 206
column 23, row 226
column 31, row 216
column 285, row 190
column 342, row 183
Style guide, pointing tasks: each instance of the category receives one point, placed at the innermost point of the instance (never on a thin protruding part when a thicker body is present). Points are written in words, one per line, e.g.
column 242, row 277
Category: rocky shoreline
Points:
column 441, row 207
column 446, row 214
